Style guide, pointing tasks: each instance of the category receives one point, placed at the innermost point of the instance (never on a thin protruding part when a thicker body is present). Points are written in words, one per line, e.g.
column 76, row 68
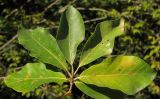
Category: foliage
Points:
column 140, row 40
column 112, row 72
column 32, row 76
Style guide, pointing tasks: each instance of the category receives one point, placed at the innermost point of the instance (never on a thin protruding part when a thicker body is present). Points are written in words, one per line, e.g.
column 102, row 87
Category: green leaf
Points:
column 70, row 33
column 43, row 46
column 31, row 76
column 98, row 92
column 128, row 74
column 101, row 43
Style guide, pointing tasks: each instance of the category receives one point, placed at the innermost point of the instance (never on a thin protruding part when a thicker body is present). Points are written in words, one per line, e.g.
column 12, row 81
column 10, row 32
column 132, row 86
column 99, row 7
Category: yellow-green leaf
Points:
column 31, row 76
column 128, row 74
column 101, row 43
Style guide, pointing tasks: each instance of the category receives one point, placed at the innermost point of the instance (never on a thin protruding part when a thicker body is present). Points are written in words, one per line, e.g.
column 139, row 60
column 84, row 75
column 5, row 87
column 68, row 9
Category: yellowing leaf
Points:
column 31, row 76
column 128, row 74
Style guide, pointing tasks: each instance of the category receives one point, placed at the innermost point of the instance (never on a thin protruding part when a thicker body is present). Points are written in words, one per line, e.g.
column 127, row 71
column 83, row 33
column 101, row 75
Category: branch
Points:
column 1, row 78
column 11, row 46
column 17, row 68
column 50, row 5
column 7, row 43
column 65, row 7
column 71, row 81
column 11, row 13
column 95, row 19
column 92, row 9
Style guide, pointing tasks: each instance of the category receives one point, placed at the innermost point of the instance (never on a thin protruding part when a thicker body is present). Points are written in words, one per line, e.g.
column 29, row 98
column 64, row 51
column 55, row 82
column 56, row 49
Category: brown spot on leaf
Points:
column 131, row 74
column 27, row 76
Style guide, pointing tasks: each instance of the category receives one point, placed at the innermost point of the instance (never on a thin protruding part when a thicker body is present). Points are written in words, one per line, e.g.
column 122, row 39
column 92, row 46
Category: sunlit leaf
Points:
column 43, row 46
column 128, row 74
column 31, row 76
column 101, row 43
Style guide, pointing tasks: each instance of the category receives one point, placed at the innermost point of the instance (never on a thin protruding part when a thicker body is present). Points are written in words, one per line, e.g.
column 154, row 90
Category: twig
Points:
column 11, row 13
column 92, row 9
column 50, row 5
column 42, row 96
column 95, row 19
column 11, row 46
column 65, row 7
column 7, row 43
column 2, row 78
column 18, row 68
column 71, row 81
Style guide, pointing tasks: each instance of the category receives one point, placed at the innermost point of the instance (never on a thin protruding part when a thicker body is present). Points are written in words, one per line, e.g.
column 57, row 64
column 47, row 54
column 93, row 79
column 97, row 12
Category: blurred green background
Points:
column 142, row 37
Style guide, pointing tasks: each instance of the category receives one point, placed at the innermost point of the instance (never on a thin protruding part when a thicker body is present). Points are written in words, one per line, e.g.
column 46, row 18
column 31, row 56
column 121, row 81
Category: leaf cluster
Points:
column 61, row 51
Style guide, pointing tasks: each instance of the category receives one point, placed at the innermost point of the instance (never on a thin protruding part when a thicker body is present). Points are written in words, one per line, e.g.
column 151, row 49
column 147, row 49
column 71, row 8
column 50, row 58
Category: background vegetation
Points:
column 142, row 36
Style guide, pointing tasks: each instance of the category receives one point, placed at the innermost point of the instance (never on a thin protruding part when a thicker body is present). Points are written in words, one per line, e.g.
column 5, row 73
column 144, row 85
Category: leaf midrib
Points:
column 49, row 52
column 69, row 43
column 88, row 76
column 69, row 47
column 42, row 78
column 94, row 49
column 90, row 52
column 48, row 78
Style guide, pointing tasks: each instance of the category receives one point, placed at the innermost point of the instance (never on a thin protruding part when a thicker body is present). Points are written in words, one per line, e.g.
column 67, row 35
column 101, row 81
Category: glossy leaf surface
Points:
column 31, row 76
column 70, row 33
column 101, row 43
column 43, row 46
column 128, row 74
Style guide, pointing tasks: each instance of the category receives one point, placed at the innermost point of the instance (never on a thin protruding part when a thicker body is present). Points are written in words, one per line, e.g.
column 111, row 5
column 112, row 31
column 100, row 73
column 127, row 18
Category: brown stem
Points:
column 10, row 41
column 51, row 5
column 2, row 78
column 95, row 19
column 71, row 80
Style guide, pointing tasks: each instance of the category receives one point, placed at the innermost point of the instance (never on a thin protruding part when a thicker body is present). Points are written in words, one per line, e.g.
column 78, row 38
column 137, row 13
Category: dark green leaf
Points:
column 98, row 92
column 70, row 33
column 43, row 46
